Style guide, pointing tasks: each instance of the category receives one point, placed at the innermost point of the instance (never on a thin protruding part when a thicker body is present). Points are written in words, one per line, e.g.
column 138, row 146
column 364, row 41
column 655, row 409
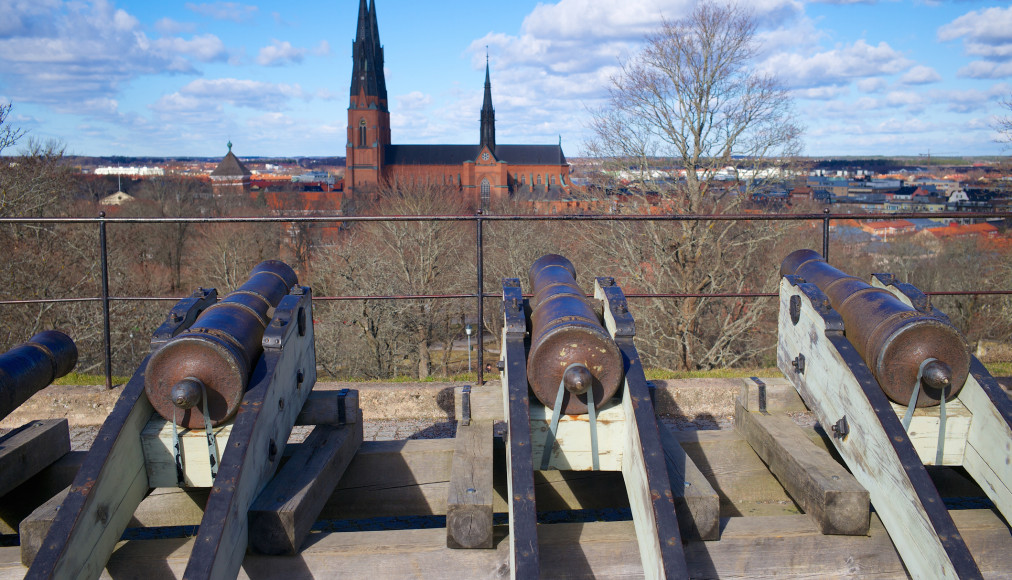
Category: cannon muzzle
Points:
column 568, row 343
column 214, row 358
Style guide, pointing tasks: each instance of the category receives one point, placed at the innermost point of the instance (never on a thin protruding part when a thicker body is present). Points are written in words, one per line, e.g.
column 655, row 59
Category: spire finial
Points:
column 229, row 145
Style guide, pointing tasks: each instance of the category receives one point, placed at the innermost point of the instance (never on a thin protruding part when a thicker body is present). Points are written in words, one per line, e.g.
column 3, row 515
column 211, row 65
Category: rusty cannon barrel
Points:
column 215, row 356
column 30, row 367
column 568, row 343
column 897, row 342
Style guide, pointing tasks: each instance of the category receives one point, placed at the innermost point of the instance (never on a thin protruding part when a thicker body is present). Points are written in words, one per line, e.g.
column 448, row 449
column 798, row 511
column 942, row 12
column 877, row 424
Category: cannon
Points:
column 848, row 347
column 250, row 363
column 900, row 345
column 568, row 343
column 570, row 356
column 32, row 366
column 208, row 367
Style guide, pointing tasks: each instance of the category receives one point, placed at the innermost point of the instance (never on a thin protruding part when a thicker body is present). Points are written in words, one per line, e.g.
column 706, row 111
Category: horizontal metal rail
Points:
column 479, row 219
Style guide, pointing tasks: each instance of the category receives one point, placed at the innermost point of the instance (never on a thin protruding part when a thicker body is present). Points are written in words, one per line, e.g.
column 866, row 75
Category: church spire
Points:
column 367, row 54
column 487, row 114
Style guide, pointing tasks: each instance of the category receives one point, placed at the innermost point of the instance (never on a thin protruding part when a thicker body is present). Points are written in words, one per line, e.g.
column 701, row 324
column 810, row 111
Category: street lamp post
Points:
column 468, row 330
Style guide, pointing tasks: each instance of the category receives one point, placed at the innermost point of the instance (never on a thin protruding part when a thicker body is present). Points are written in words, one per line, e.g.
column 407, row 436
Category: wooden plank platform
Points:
column 781, row 546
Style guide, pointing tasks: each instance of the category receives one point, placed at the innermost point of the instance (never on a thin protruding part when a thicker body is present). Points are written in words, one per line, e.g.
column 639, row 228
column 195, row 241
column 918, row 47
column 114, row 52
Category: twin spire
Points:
column 367, row 71
column 367, row 53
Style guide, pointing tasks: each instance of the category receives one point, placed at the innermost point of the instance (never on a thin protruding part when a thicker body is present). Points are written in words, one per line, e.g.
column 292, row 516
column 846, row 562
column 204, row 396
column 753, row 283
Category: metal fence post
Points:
column 480, row 223
column 825, row 234
column 105, row 299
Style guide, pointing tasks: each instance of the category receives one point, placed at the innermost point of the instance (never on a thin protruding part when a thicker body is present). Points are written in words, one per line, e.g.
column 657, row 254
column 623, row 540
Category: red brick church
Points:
column 483, row 173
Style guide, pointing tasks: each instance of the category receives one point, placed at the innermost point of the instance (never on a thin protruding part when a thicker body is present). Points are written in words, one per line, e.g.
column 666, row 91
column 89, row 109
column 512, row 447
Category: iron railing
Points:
column 479, row 220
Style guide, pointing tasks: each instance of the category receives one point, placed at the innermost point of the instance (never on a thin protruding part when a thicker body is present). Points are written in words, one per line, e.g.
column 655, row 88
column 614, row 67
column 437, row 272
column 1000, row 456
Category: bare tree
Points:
column 401, row 258
column 693, row 127
column 1003, row 125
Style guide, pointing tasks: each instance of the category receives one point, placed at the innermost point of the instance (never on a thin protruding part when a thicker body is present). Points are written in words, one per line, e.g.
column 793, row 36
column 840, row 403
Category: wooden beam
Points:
column 523, row 539
column 643, row 461
column 837, row 385
column 988, row 453
column 286, row 509
column 29, row 449
column 470, row 498
column 262, row 426
column 108, row 487
column 697, row 505
column 824, row 488
column 33, row 529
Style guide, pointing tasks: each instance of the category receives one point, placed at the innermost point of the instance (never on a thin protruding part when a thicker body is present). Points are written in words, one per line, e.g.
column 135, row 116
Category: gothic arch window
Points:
column 539, row 179
column 553, row 180
column 486, row 193
column 361, row 133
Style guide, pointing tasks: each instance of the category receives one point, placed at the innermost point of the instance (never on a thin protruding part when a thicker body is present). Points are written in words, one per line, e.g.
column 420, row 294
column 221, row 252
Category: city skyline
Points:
column 869, row 77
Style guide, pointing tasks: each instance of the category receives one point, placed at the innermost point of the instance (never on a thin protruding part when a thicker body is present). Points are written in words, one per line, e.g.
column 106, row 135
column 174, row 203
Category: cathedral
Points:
column 484, row 173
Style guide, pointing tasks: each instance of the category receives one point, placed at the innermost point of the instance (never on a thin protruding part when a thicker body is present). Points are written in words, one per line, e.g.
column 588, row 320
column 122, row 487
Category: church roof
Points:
column 458, row 154
column 230, row 166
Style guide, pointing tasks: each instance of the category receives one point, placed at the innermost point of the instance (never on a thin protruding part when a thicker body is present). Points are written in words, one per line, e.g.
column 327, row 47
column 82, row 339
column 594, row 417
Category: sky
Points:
column 143, row 78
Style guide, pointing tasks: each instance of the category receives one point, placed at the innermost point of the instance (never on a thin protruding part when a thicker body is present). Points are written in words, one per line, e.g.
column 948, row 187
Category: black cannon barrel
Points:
column 896, row 341
column 218, row 352
column 30, row 367
column 567, row 340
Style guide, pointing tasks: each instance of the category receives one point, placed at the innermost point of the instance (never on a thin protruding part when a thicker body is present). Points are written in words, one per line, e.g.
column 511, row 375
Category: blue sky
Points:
column 135, row 77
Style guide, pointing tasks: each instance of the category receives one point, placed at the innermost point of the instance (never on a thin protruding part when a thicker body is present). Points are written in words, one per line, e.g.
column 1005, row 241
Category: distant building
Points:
column 131, row 171
column 231, row 176
column 483, row 173
column 118, row 198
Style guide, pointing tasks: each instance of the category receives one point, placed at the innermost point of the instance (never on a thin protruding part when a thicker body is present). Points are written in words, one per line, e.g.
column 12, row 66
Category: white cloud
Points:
column 840, row 65
column 322, row 49
column 205, row 48
column 968, row 100
column 212, row 93
column 872, row 85
column 169, row 27
column 414, row 101
column 987, row 34
column 821, row 93
column 280, row 53
column 986, row 69
column 920, row 75
column 75, row 56
column 232, row 11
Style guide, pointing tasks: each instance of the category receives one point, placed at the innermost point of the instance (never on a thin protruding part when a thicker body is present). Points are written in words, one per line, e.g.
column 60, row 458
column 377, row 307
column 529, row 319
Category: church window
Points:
column 539, row 179
column 361, row 133
column 553, row 180
column 486, row 193
column 523, row 180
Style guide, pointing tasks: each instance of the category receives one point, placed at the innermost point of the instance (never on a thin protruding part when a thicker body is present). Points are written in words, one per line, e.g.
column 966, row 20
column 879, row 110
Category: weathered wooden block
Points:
column 821, row 486
column 31, row 448
column 470, row 495
column 285, row 510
